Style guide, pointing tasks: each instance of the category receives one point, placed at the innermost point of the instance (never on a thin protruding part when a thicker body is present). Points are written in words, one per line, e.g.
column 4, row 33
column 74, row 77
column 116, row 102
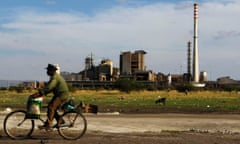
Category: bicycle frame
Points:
column 75, row 123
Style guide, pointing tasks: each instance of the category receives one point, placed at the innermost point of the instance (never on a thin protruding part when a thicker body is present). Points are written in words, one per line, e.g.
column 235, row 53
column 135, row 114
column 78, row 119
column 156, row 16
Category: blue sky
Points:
column 34, row 33
column 85, row 6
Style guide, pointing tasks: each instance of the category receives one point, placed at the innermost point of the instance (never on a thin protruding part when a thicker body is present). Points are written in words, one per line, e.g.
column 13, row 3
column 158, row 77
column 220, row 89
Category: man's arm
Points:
column 49, row 87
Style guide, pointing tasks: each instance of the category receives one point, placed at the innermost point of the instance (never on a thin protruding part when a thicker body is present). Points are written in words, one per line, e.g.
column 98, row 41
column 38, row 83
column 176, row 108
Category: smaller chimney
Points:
column 189, row 58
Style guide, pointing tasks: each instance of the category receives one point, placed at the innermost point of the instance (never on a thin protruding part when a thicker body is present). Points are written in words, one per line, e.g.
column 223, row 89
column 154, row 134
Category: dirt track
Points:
column 148, row 129
column 133, row 138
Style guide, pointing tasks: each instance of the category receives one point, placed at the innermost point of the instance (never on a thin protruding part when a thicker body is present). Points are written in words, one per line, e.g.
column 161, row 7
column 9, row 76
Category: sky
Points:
column 34, row 33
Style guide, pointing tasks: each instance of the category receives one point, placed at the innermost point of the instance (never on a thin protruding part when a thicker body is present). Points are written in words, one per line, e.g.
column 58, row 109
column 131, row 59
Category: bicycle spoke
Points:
column 16, row 126
column 74, row 127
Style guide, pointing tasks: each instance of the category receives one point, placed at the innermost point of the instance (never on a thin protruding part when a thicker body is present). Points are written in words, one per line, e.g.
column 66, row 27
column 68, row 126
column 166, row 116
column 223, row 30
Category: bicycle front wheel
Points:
column 72, row 125
column 16, row 126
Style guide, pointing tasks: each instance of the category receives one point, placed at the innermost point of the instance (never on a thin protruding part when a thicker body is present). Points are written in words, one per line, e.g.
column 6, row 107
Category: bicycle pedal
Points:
column 48, row 128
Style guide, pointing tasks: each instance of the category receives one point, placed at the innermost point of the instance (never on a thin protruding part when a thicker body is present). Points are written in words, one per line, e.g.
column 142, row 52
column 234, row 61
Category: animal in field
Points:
column 161, row 101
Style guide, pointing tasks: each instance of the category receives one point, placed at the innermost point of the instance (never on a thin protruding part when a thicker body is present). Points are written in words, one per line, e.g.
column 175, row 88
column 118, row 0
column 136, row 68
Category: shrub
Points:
column 185, row 87
column 230, row 88
column 3, row 88
column 18, row 89
column 127, row 85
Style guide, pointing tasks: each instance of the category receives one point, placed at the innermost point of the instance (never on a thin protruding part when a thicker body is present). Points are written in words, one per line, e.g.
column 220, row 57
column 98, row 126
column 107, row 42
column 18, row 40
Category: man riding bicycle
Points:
column 59, row 87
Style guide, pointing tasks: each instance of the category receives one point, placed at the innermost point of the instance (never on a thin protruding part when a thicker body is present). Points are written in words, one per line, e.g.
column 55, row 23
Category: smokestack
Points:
column 189, row 58
column 195, row 46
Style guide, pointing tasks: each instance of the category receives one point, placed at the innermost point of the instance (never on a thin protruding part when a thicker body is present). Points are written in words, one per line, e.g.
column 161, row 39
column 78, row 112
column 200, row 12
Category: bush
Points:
column 3, row 88
column 127, row 85
column 18, row 89
column 230, row 88
column 185, row 87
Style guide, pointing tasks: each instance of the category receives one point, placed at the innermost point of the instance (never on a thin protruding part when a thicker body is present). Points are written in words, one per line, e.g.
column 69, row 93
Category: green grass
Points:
column 202, row 100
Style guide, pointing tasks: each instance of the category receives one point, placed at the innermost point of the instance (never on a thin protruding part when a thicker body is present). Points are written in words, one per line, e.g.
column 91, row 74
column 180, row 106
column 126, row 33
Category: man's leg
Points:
column 52, row 107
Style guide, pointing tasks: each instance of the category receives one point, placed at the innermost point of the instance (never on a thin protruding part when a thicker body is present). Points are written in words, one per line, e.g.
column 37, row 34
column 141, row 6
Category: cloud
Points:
column 226, row 34
column 7, row 52
column 161, row 29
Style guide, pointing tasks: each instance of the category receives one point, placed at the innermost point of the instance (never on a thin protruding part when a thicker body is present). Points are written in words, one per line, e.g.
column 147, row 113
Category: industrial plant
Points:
column 132, row 67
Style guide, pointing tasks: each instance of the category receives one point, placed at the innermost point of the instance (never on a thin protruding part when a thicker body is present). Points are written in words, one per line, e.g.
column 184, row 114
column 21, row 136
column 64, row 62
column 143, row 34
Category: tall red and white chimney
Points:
column 195, row 46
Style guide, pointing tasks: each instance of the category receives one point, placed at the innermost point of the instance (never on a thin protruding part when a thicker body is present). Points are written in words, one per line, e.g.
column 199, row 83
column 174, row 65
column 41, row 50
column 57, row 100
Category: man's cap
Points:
column 51, row 67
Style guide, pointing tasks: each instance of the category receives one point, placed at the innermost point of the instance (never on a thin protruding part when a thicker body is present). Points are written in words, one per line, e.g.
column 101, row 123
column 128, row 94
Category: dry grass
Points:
column 155, row 94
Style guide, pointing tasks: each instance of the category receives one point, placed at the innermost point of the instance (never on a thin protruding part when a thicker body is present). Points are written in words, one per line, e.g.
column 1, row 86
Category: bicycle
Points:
column 71, row 125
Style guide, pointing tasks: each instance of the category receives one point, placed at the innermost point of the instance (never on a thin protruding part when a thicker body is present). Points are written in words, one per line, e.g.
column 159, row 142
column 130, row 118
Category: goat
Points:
column 160, row 101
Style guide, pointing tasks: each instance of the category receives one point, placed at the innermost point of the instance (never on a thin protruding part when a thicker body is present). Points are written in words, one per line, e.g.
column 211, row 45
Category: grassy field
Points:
column 210, row 101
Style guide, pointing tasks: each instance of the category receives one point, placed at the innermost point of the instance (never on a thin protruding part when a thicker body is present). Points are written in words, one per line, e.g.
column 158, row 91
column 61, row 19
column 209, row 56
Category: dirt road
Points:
column 129, row 123
column 148, row 128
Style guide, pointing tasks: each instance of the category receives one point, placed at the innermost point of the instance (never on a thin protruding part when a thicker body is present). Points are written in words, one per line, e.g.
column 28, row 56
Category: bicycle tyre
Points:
column 74, row 126
column 16, row 126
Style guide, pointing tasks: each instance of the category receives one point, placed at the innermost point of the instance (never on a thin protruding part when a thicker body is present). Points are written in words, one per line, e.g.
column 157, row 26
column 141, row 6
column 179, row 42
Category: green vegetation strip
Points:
column 201, row 100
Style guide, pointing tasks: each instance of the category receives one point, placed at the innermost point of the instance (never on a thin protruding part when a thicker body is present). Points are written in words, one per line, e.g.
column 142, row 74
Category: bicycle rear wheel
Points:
column 16, row 126
column 72, row 125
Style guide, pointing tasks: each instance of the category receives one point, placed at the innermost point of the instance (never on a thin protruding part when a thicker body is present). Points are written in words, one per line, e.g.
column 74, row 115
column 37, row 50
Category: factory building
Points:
column 132, row 66
column 103, row 72
column 71, row 76
column 132, row 62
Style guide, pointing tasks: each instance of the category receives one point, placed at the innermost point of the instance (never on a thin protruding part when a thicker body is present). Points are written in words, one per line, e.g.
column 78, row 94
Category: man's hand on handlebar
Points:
column 36, row 95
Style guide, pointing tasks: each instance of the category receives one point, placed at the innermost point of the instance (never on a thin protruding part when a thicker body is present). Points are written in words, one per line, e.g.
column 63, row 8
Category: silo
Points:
column 88, row 63
column 108, row 62
column 169, row 79
column 203, row 76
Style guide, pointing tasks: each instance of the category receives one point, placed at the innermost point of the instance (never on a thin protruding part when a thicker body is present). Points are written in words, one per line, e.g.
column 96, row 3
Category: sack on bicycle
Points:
column 34, row 104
